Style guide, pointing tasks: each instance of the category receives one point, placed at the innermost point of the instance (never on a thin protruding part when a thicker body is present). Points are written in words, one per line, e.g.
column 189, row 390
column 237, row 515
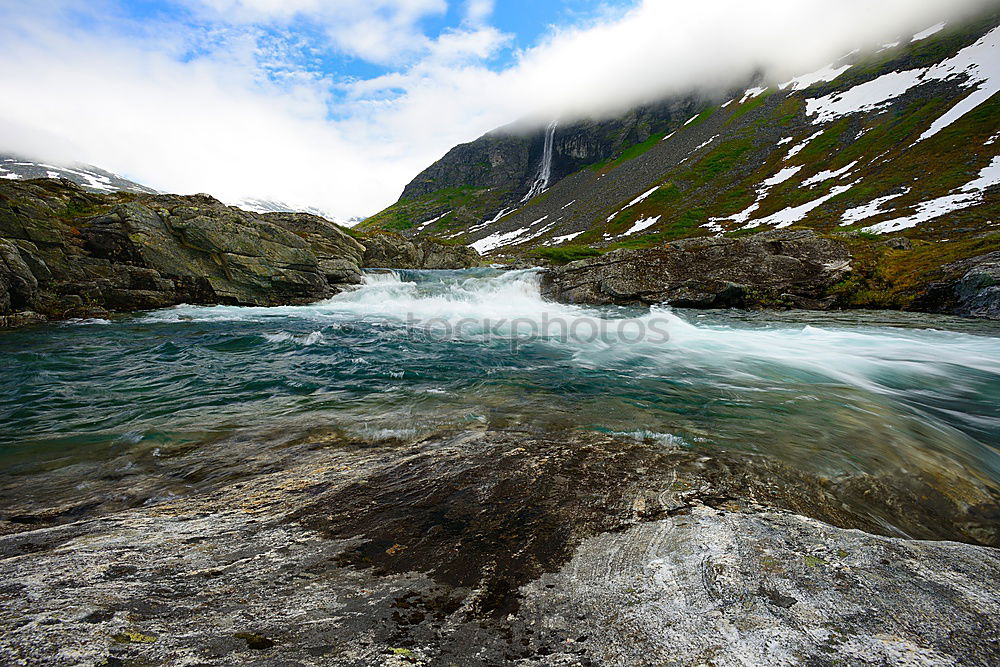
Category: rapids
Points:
column 414, row 352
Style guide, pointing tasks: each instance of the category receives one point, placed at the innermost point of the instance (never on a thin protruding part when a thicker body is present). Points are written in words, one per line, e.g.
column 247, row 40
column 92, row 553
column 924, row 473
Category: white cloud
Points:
column 230, row 108
column 382, row 31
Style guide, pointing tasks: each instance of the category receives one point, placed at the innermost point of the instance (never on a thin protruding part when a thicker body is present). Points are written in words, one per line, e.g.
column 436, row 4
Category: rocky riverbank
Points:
column 67, row 253
column 772, row 269
column 492, row 548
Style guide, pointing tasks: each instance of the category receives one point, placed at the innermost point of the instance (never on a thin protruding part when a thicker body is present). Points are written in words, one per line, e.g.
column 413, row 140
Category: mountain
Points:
column 97, row 180
column 901, row 140
column 89, row 177
column 271, row 206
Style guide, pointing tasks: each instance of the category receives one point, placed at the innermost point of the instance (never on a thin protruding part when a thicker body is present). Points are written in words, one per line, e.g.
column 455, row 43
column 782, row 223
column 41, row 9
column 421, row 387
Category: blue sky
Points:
column 339, row 103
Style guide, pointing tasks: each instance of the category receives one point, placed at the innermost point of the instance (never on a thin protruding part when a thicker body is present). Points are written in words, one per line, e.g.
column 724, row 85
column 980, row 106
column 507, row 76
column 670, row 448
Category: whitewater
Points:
column 412, row 353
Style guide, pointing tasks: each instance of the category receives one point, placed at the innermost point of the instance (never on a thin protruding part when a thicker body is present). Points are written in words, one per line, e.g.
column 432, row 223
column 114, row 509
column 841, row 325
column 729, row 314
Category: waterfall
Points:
column 545, row 171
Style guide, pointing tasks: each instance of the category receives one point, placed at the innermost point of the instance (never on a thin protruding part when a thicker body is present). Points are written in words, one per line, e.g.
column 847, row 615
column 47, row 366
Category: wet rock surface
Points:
column 494, row 548
column 791, row 268
column 974, row 290
column 65, row 252
column 386, row 250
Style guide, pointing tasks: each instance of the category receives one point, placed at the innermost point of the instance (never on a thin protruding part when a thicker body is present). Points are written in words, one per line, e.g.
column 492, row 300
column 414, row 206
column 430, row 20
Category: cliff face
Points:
column 476, row 180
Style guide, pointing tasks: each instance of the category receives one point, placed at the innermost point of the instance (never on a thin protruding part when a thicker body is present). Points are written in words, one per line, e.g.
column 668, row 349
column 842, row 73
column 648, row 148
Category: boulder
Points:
column 386, row 250
column 789, row 268
column 339, row 255
column 971, row 289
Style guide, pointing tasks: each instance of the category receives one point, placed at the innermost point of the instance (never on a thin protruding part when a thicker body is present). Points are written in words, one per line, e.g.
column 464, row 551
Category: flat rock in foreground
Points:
column 508, row 548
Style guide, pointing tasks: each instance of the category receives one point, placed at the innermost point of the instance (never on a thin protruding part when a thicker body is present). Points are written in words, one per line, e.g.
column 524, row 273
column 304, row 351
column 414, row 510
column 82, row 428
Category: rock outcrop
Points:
column 67, row 253
column 974, row 291
column 789, row 268
column 385, row 250
column 497, row 548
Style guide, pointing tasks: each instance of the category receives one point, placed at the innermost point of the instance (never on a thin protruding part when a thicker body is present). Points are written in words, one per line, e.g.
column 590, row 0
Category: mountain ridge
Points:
column 797, row 154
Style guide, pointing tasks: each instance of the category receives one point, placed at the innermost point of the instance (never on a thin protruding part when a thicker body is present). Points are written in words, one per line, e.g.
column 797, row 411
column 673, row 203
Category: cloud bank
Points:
column 263, row 98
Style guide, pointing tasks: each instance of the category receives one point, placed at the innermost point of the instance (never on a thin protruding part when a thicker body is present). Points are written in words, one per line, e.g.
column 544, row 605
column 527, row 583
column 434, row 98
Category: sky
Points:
column 337, row 104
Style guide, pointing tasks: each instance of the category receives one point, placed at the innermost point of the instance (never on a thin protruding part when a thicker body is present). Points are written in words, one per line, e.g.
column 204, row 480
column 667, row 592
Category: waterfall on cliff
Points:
column 545, row 171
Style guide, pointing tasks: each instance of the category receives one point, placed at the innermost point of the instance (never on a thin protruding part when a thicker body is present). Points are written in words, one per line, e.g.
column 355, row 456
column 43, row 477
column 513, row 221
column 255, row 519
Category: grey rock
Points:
column 972, row 289
column 391, row 251
column 503, row 548
column 793, row 268
column 68, row 253
column 339, row 255
column 18, row 286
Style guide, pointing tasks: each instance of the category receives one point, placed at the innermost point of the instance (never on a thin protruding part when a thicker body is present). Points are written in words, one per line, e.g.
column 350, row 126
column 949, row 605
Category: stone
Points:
column 481, row 548
column 776, row 268
column 971, row 289
column 385, row 250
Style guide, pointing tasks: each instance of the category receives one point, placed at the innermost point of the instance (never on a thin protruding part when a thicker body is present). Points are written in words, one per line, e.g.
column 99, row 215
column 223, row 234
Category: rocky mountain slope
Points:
column 66, row 252
column 901, row 141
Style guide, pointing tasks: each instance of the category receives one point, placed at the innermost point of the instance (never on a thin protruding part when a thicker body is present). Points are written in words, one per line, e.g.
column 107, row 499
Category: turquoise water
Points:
column 415, row 352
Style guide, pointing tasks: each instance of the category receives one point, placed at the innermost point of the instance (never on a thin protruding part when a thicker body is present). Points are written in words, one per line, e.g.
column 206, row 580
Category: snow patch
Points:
column 978, row 64
column 641, row 225
column 968, row 195
column 781, row 176
column 869, row 210
column 827, row 175
column 766, row 185
column 498, row 239
column 828, row 73
column 752, row 93
column 432, row 221
column 924, row 34
column 556, row 240
column 634, row 201
column 790, row 216
column 798, row 148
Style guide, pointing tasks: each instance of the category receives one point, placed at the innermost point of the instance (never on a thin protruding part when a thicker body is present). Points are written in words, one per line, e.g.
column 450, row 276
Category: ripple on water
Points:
column 414, row 352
